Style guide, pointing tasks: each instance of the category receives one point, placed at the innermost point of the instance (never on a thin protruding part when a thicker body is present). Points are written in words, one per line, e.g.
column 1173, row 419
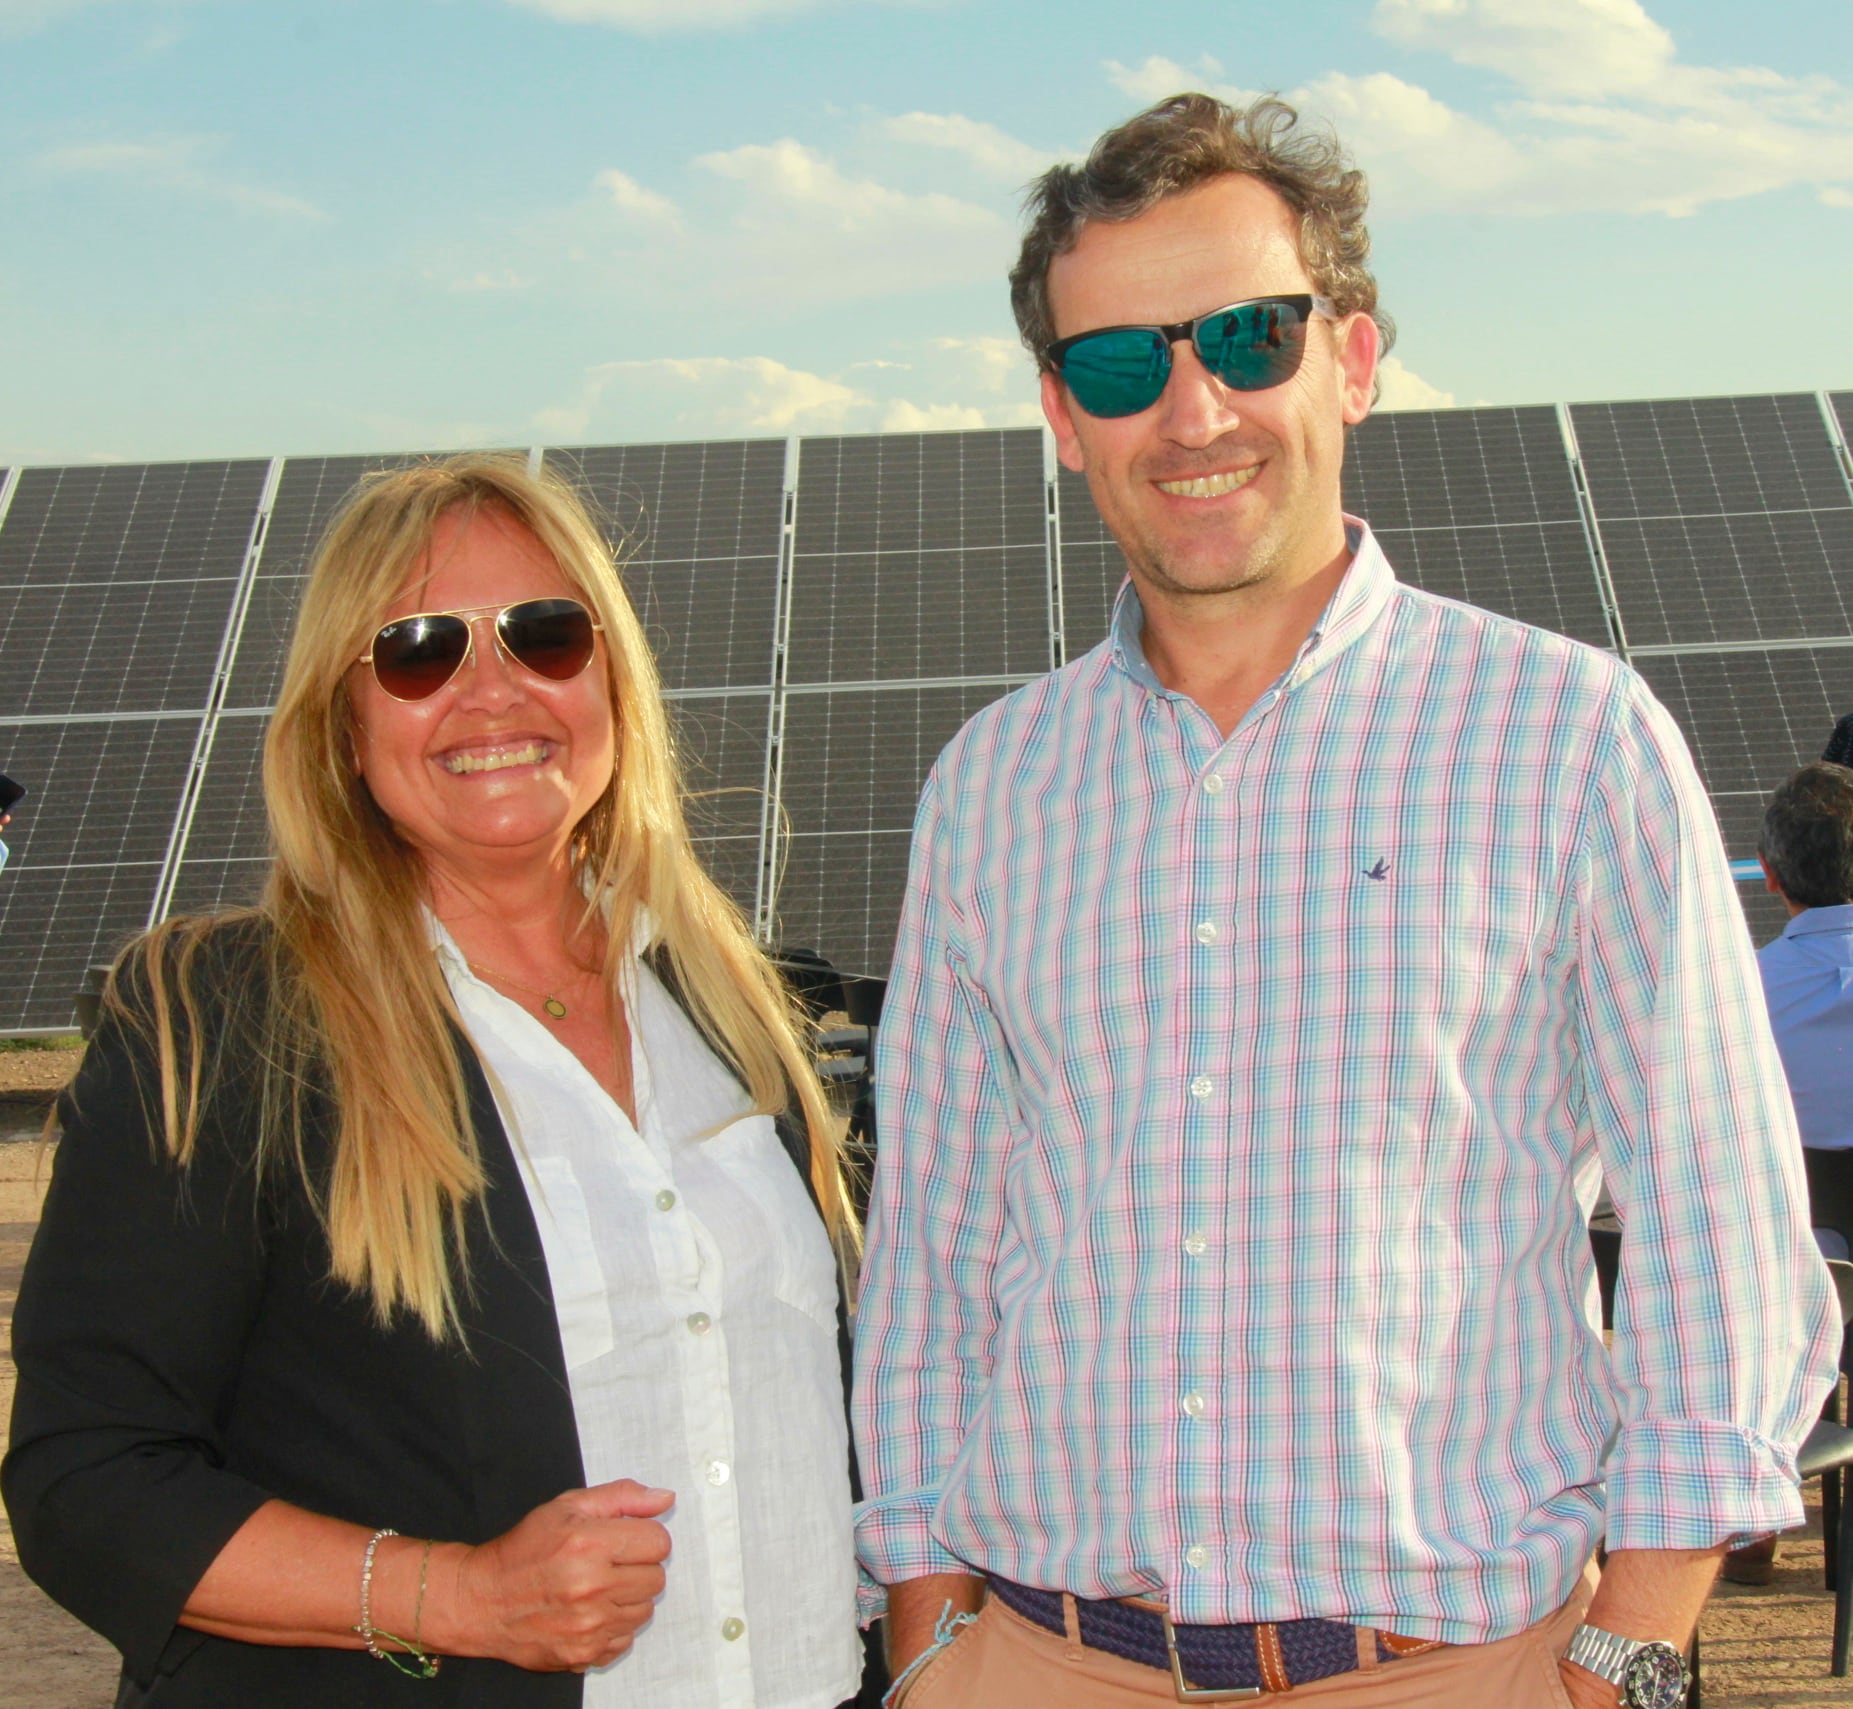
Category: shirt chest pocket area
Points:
column 581, row 1298
column 777, row 1219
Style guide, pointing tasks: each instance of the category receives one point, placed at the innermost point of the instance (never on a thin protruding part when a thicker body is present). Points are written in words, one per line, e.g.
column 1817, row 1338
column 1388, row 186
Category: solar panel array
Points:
column 826, row 612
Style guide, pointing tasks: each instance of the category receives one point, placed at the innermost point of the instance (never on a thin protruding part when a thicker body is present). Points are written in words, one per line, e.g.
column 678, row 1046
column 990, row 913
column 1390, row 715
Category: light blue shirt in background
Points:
column 3, row 854
column 1808, row 981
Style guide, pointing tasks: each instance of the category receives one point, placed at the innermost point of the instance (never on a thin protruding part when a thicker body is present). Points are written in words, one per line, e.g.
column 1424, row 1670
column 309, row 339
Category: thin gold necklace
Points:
column 550, row 1003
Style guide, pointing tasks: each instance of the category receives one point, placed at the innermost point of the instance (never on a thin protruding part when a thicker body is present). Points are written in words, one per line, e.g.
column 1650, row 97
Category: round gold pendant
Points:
column 555, row 1008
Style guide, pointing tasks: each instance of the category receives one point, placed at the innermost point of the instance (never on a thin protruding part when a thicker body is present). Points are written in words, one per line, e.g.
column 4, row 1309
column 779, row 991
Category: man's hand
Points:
column 914, row 1608
column 1644, row 1594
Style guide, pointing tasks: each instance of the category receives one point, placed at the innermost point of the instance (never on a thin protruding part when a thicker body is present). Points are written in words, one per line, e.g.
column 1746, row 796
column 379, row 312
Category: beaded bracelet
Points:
column 420, row 1665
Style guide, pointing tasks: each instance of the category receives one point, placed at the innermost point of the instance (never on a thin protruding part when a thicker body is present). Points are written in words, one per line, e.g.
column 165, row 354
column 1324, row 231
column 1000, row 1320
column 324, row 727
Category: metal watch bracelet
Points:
column 1649, row 1673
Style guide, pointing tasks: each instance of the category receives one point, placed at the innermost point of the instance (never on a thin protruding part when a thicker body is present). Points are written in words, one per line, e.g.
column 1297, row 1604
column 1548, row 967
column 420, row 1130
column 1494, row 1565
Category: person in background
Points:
column 1806, row 847
column 1228, row 1322
column 10, row 792
column 432, row 1246
column 1839, row 749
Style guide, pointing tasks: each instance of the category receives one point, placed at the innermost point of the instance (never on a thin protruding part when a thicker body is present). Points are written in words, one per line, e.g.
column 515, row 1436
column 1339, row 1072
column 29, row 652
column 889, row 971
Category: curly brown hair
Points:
column 1185, row 141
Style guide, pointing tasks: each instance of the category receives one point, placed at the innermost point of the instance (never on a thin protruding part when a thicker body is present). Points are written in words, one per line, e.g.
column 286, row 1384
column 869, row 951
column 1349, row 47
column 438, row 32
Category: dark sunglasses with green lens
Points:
column 1249, row 346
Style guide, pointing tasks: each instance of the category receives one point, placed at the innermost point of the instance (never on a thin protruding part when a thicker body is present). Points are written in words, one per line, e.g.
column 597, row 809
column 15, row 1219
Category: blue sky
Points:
column 248, row 227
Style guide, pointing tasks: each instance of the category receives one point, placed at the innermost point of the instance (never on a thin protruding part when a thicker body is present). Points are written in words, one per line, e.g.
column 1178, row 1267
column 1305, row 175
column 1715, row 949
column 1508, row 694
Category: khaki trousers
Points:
column 1004, row 1662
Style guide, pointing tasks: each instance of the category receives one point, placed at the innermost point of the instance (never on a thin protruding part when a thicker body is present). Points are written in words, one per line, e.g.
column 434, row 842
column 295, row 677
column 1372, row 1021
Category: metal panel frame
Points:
column 215, row 698
column 1592, row 532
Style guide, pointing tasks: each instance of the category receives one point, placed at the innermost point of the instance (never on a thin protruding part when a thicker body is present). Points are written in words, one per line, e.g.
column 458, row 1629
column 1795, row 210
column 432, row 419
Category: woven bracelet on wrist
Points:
column 409, row 1659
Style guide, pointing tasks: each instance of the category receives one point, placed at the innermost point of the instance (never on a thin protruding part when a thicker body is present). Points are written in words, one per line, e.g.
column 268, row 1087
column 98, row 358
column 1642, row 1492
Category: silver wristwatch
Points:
column 1650, row 1675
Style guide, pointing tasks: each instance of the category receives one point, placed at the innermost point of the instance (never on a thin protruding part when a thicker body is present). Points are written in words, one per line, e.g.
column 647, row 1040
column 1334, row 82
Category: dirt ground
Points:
column 1762, row 1648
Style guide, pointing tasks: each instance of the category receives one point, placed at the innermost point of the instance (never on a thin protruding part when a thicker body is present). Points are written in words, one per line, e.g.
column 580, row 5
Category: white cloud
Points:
column 1835, row 197
column 993, row 152
column 802, row 230
column 1607, row 119
column 178, row 164
column 1611, row 118
column 501, row 279
column 989, row 364
column 712, row 394
column 659, row 17
column 1400, row 388
column 630, row 197
column 19, row 17
column 1585, row 48
column 720, row 396
column 1157, row 77
column 905, row 417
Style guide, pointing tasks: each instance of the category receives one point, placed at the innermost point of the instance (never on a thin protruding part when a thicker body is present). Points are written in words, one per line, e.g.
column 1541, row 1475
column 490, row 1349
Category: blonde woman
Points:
column 427, row 1308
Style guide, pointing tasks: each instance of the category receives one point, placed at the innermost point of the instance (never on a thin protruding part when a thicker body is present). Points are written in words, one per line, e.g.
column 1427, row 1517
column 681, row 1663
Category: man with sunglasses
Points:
column 1274, row 983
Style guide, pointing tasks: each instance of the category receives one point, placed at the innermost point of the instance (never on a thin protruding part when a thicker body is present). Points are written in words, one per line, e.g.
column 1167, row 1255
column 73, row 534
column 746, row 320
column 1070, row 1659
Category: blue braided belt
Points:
column 1220, row 1660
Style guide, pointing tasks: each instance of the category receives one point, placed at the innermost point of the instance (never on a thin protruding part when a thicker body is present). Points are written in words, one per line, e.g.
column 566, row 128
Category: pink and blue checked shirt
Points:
column 1241, row 1104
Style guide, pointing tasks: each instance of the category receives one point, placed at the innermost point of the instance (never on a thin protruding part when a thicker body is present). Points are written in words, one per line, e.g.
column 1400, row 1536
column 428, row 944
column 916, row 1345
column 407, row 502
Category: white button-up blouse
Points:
column 696, row 1296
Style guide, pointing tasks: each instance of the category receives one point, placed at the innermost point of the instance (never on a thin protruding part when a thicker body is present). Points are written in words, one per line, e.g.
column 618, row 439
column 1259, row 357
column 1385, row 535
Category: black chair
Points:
column 1830, row 1190
column 846, row 1054
column 1827, row 1454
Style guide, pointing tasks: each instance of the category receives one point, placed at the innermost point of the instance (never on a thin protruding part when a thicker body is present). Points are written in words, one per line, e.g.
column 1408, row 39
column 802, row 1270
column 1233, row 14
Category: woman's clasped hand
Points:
column 568, row 1587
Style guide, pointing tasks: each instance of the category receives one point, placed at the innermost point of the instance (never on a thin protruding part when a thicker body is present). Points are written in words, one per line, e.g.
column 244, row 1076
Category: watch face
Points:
column 1655, row 1678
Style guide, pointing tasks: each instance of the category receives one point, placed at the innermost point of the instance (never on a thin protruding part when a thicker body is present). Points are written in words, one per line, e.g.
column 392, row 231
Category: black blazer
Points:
column 183, row 1357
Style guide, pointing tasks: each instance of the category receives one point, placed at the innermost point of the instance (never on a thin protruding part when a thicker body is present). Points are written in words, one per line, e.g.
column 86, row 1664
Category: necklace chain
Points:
column 548, row 1001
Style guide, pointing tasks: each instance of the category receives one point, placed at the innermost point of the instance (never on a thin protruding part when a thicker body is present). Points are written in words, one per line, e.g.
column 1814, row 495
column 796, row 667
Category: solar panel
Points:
column 722, row 742
column 1481, row 505
column 1092, row 565
column 1751, row 718
column 920, row 556
column 699, row 527
column 1723, row 519
column 1842, row 405
column 88, row 846
column 853, row 764
column 228, row 846
column 115, row 584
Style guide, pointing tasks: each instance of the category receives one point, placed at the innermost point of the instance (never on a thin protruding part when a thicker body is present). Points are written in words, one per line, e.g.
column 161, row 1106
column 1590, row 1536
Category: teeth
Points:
column 532, row 754
column 1211, row 486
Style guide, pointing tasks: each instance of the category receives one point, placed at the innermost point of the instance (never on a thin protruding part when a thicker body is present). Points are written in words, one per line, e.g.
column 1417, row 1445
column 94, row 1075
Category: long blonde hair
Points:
column 358, row 1003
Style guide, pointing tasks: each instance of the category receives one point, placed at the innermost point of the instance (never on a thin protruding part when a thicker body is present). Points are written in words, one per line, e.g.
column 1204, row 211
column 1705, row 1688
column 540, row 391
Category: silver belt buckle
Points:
column 1187, row 1693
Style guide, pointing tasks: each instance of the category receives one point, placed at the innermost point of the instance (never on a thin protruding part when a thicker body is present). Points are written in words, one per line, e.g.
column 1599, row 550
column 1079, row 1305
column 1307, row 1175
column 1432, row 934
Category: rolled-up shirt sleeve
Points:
column 137, row 1297
column 1726, row 1331
column 926, row 1315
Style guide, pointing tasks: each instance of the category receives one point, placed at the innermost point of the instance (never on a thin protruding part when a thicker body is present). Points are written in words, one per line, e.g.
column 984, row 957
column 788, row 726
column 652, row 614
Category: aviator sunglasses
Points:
column 413, row 657
column 1249, row 346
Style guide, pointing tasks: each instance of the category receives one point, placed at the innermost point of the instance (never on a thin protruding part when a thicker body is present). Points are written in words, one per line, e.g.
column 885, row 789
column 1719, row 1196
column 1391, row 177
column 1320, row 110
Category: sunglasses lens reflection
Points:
column 1117, row 373
column 414, row 658
column 551, row 637
column 1253, row 347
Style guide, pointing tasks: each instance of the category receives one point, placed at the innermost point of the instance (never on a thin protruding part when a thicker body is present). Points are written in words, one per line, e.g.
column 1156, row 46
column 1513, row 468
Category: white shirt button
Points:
column 718, row 1472
column 1206, row 933
column 1193, row 1404
column 1212, row 785
column 1196, row 1245
column 1202, row 1086
column 733, row 1627
column 1197, row 1556
column 665, row 1200
column 699, row 1323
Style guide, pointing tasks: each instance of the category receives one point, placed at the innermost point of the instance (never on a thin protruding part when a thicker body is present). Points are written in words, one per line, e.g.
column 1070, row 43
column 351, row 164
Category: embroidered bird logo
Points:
column 1380, row 871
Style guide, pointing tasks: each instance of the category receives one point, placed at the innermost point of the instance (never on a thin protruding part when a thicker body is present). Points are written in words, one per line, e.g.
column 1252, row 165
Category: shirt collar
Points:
column 1812, row 920
column 1353, row 607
